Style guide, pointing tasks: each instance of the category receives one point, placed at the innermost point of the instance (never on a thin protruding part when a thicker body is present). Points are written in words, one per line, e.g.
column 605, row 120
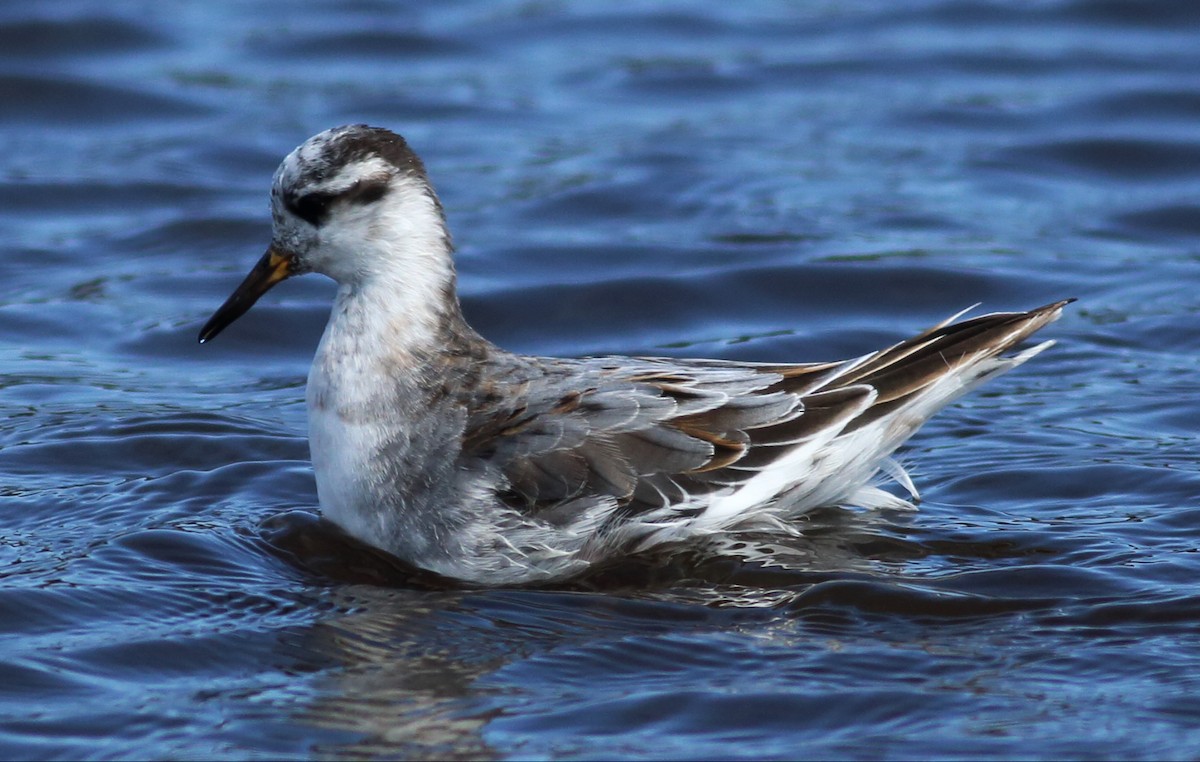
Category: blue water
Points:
column 756, row 180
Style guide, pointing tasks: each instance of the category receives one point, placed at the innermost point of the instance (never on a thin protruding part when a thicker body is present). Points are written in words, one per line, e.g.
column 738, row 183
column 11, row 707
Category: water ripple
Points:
column 757, row 180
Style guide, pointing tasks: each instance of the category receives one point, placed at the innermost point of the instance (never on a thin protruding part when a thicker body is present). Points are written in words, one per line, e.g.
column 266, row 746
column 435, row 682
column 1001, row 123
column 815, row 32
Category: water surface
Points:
column 762, row 180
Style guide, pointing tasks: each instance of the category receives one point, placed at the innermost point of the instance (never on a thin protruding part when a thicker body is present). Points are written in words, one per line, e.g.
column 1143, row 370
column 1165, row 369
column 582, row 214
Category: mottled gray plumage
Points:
column 496, row 468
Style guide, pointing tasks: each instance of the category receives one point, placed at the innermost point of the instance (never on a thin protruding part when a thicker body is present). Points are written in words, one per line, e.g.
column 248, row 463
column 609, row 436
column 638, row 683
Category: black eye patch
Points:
column 366, row 191
column 313, row 208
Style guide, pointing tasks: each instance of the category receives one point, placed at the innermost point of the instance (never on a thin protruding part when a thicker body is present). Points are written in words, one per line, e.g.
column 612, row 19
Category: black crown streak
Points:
column 361, row 141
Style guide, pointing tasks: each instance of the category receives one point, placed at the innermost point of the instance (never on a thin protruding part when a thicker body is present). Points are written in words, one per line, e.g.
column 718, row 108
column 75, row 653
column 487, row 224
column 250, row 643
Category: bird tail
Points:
column 871, row 406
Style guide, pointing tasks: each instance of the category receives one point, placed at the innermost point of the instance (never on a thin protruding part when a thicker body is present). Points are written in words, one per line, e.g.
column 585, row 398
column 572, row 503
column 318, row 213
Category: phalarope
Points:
column 495, row 468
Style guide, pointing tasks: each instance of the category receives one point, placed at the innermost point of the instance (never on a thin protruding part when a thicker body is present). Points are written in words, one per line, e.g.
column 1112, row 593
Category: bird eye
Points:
column 313, row 208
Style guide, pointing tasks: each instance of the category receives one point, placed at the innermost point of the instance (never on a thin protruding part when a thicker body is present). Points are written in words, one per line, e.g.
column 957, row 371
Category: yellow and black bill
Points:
column 275, row 265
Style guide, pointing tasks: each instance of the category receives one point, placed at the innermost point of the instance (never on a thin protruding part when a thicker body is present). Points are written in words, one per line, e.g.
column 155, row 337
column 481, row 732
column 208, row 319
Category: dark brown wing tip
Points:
column 1052, row 306
column 1047, row 313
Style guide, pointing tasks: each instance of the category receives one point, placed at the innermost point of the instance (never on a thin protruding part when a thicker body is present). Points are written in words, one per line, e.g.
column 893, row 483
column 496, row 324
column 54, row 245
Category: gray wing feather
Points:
column 647, row 433
column 651, row 432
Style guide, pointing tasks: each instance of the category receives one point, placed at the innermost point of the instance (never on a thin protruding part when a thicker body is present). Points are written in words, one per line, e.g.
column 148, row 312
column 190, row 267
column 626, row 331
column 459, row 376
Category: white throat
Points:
column 394, row 268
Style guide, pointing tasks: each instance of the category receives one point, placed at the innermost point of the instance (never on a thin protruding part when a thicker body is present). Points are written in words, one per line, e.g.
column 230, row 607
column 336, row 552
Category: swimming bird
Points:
column 496, row 468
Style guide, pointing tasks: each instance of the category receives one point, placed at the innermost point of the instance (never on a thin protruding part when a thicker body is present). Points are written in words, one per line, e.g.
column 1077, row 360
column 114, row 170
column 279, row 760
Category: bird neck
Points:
column 401, row 321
